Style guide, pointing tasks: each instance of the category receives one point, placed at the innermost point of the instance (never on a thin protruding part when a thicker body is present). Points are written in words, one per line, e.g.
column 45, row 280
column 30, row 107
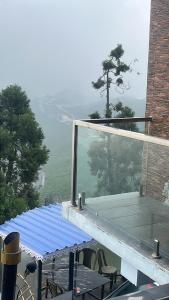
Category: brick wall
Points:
column 155, row 171
column 158, row 69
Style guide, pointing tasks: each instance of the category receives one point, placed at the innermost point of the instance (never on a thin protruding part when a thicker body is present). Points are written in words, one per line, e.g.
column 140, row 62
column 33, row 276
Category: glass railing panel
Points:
column 107, row 164
column 86, row 181
column 126, row 182
column 132, row 126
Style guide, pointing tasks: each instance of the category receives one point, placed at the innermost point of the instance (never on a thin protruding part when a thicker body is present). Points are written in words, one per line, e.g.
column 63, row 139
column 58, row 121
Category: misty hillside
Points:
column 66, row 106
column 55, row 115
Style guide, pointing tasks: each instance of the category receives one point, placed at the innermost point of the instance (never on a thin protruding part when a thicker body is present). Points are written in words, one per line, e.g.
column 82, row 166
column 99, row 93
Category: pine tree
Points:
column 114, row 161
column 113, row 69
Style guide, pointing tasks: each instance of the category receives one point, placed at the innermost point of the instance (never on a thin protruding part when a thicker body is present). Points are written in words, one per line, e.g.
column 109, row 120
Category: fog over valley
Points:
column 52, row 46
column 54, row 49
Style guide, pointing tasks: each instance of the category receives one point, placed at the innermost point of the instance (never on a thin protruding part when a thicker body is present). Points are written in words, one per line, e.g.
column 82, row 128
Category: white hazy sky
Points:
column 48, row 46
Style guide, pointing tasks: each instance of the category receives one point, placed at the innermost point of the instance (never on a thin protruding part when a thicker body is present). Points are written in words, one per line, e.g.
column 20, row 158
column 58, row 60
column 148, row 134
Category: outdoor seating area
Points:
column 85, row 275
column 62, row 257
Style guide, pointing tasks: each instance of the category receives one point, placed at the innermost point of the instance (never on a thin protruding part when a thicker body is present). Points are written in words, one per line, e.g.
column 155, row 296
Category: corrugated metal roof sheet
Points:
column 44, row 232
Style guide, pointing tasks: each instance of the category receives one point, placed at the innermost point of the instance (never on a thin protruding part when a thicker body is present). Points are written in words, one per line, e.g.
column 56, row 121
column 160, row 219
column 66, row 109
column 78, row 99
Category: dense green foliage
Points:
column 122, row 111
column 22, row 153
column 95, row 115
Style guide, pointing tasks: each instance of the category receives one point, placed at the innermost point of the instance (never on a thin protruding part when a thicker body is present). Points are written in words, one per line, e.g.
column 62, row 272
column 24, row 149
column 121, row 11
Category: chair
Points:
column 53, row 287
column 89, row 257
column 104, row 269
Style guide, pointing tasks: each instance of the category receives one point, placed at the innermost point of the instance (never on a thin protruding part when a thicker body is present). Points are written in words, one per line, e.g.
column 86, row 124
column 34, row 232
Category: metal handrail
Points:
column 125, row 133
column 96, row 125
column 119, row 120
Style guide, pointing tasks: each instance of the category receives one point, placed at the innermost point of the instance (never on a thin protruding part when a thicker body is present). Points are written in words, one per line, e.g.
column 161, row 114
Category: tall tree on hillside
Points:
column 122, row 111
column 113, row 69
column 22, row 152
column 114, row 160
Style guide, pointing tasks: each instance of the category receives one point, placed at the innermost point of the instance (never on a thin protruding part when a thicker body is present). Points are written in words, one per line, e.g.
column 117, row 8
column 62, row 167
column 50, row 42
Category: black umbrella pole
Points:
column 71, row 270
column 39, row 285
column 10, row 257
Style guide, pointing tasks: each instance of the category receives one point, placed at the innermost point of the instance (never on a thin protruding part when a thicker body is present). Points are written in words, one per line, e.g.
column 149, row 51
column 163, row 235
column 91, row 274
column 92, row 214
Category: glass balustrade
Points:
column 125, row 177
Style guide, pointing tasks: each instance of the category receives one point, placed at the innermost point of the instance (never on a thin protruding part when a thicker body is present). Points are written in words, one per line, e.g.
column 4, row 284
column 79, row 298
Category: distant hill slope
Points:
column 65, row 110
column 55, row 115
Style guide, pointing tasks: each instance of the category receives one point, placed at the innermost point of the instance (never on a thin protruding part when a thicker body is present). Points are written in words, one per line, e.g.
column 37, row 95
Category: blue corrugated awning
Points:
column 45, row 233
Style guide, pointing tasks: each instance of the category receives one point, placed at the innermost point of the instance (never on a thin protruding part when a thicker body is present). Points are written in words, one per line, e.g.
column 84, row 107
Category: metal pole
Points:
column 148, row 128
column 77, row 254
column 156, row 253
column 83, row 198
column 74, row 164
column 71, row 270
column 1, row 241
column 39, row 279
column 80, row 202
column 107, row 95
column 10, row 257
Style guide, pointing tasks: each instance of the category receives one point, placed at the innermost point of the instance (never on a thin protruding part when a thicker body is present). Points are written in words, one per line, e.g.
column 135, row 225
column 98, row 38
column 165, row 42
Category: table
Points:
column 85, row 279
column 65, row 296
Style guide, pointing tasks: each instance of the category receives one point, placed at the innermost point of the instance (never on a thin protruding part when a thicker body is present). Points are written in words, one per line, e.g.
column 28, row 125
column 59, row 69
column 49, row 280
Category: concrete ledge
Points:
column 131, row 252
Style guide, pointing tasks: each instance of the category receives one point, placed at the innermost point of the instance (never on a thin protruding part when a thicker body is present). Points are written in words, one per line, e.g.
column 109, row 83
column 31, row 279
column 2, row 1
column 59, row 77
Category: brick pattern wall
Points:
column 158, row 69
column 155, row 168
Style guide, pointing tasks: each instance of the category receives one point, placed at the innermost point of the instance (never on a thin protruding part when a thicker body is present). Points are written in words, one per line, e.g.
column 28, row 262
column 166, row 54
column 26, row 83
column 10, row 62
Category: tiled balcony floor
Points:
column 141, row 218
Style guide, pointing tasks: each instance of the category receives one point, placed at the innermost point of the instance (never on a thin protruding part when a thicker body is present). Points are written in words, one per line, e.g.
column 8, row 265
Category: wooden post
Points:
column 10, row 257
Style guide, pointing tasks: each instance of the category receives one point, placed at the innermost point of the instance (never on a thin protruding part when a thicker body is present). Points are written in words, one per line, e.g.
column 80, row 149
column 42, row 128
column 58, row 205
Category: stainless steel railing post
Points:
column 74, row 164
